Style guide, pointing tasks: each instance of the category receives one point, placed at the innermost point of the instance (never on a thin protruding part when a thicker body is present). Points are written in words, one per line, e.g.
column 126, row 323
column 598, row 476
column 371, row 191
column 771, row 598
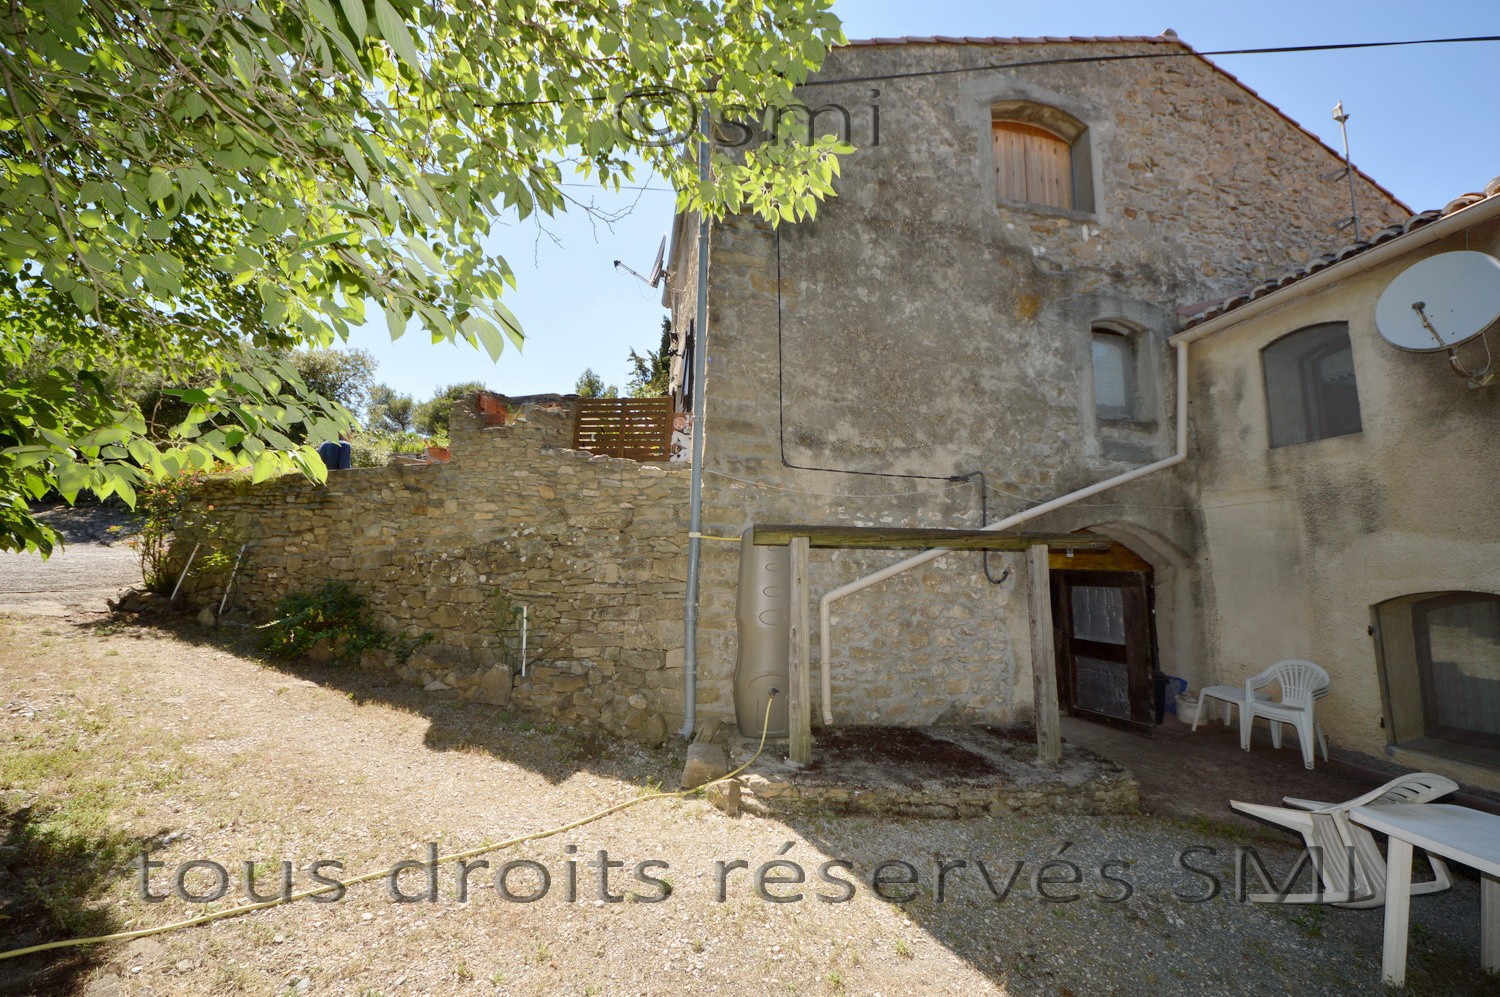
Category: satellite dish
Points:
column 1441, row 302
column 657, row 270
column 657, row 273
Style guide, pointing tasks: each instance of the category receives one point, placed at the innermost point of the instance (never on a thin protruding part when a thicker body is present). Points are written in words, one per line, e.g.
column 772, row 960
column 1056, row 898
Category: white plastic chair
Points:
column 1350, row 868
column 1232, row 696
column 1301, row 683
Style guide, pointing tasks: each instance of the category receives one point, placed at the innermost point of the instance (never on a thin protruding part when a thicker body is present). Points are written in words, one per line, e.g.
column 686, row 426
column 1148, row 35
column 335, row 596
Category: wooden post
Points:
column 1043, row 656
column 799, row 707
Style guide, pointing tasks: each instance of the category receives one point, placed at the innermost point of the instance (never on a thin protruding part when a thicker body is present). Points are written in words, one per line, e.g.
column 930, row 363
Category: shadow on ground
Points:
column 52, row 876
column 454, row 724
column 997, row 919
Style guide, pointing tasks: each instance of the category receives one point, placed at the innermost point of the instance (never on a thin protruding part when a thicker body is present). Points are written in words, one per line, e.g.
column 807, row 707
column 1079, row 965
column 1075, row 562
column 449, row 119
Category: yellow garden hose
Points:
column 122, row 936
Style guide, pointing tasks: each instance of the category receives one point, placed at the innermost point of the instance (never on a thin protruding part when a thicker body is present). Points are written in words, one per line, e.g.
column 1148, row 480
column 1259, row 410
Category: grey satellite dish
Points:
column 1441, row 302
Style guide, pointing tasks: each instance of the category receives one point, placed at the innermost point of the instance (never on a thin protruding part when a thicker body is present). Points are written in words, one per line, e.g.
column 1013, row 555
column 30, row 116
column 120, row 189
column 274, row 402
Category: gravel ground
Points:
column 182, row 743
column 95, row 562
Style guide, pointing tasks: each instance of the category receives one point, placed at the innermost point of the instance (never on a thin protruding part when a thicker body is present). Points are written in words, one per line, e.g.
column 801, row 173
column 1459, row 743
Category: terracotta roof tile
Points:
column 973, row 40
column 1197, row 314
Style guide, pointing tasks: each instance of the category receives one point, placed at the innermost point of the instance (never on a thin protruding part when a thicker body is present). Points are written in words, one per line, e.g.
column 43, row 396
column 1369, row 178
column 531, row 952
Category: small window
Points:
column 1114, row 375
column 1033, row 165
column 1041, row 156
column 1310, row 388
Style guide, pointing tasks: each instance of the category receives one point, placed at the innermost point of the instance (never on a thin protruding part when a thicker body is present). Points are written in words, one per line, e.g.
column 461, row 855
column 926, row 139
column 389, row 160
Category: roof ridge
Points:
column 1005, row 40
column 1167, row 37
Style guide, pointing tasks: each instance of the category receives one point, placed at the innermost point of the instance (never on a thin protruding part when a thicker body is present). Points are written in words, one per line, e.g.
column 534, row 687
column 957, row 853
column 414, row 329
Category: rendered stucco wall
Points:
column 1306, row 540
column 919, row 326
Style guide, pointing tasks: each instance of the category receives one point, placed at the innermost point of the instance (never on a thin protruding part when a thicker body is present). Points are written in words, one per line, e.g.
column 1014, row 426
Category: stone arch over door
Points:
column 1177, row 582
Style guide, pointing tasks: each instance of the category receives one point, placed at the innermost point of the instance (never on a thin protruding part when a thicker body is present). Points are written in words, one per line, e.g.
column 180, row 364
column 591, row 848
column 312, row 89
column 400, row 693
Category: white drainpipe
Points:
column 1003, row 524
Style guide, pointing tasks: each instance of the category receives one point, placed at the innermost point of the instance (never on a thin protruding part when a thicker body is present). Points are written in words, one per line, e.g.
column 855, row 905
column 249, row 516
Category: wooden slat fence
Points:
column 638, row 428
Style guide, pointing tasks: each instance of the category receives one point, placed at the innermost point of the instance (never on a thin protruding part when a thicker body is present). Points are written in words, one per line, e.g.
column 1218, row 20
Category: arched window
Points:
column 1041, row 156
column 1114, row 374
column 1311, row 393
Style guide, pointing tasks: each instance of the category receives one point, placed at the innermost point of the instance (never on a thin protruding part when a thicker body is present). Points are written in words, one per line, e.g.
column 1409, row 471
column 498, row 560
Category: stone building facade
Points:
column 592, row 546
column 863, row 366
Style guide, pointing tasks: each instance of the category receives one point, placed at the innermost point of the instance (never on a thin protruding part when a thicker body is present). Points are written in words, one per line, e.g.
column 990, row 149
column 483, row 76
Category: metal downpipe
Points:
column 695, row 501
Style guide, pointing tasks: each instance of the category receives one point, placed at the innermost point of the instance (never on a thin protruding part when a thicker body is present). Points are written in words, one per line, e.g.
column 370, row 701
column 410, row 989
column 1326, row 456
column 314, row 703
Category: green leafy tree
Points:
column 591, row 385
column 342, row 376
column 433, row 415
column 651, row 375
column 201, row 184
column 389, row 411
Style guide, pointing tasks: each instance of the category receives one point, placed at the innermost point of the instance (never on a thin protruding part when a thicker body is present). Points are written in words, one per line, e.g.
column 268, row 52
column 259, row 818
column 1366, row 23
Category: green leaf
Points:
column 354, row 10
column 395, row 321
column 264, row 467
column 393, row 29
column 159, row 186
column 84, row 297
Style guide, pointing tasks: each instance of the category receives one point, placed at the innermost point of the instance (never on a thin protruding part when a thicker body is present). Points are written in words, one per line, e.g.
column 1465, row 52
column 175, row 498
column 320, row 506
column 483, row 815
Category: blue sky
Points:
column 1422, row 123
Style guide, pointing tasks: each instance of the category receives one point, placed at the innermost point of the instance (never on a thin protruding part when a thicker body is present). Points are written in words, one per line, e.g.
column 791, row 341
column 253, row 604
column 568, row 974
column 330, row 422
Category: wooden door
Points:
column 1106, row 646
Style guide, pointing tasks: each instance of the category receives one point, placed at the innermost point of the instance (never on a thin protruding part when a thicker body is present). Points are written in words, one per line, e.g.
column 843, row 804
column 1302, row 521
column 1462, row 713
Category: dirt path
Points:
column 95, row 562
column 116, row 739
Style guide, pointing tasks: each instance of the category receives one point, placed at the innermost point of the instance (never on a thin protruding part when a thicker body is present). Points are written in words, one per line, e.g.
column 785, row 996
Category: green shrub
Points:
column 167, row 512
column 372, row 449
column 333, row 612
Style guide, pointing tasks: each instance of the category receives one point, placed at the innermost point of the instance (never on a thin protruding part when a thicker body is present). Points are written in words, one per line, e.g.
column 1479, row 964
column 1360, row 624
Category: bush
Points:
column 165, row 510
column 377, row 449
column 333, row 612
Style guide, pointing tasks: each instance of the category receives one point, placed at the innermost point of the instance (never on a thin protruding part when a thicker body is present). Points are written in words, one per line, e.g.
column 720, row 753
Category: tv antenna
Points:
column 658, row 272
column 1438, row 304
column 1342, row 117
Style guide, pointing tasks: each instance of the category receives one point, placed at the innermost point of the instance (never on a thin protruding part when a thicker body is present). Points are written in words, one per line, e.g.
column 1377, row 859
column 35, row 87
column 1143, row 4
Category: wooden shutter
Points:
column 1032, row 164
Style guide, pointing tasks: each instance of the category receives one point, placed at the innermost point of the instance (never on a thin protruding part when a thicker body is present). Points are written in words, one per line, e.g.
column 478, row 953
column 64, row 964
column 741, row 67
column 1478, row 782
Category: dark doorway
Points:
column 1105, row 636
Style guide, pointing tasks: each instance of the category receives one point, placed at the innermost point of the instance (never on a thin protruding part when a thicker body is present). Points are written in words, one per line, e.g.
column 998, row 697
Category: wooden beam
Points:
column 897, row 538
column 1043, row 656
column 799, row 708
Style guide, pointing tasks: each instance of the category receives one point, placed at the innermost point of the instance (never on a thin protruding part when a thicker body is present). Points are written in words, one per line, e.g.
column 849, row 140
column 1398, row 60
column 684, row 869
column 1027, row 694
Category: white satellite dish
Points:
column 1441, row 302
column 658, row 272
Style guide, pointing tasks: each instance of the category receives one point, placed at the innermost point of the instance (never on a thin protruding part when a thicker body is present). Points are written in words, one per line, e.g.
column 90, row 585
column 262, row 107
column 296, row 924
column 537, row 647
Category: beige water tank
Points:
column 763, row 612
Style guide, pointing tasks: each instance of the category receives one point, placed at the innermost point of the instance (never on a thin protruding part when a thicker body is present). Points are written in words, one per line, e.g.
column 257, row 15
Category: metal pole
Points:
column 695, row 505
column 1342, row 118
column 192, row 554
column 523, row 641
column 230, row 584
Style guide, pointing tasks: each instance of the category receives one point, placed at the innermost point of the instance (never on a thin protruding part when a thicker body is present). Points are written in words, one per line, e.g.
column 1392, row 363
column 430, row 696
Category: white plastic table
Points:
column 1459, row 834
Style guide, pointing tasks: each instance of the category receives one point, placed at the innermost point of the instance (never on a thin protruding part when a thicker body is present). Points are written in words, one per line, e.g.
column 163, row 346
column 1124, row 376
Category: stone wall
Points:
column 594, row 547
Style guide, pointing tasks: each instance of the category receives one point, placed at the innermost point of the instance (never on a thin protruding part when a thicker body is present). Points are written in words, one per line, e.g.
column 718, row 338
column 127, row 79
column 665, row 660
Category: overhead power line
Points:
column 1185, row 52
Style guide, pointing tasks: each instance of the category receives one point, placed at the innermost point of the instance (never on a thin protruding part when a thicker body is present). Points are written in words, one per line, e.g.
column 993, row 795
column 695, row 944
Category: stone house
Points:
column 979, row 324
column 1348, row 499
column 985, row 326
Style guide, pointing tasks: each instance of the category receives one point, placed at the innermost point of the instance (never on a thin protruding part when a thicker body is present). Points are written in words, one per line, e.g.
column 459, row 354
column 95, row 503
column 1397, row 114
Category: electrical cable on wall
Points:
column 977, row 475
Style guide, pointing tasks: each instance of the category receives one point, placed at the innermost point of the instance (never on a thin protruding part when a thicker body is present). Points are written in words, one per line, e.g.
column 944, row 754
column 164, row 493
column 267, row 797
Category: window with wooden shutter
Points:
column 1033, row 164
